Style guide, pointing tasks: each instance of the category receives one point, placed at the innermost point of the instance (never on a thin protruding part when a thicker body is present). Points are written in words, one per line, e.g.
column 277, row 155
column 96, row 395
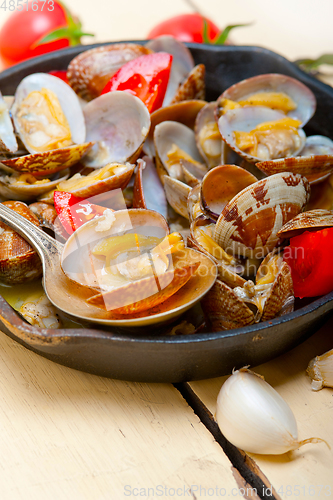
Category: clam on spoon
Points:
column 71, row 297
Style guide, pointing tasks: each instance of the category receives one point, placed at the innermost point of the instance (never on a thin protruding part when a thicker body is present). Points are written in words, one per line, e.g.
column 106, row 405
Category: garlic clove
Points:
column 254, row 417
column 320, row 370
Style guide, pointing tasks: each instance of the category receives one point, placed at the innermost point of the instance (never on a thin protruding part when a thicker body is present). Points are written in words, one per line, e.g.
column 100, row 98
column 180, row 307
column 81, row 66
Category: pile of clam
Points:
column 225, row 177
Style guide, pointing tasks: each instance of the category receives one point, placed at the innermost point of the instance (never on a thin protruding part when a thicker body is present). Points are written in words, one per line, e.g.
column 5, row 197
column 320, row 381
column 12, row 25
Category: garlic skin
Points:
column 320, row 370
column 254, row 417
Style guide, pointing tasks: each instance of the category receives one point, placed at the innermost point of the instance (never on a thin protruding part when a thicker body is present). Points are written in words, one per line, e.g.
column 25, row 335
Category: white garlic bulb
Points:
column 254, row 417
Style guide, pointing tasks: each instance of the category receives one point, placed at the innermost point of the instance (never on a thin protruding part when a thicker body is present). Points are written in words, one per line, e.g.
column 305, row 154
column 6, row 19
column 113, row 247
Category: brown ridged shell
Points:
column 19, row 262
column 224, row 310
column 307, row 221
column 90, row 71
column 249, row 223
column 193, row 87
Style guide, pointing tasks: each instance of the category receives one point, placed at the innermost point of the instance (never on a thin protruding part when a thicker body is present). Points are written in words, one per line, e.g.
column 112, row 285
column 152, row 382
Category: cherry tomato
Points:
column 73, row 211
column 186, row 28
column 26, row 28
column 145, row 77
column 309, row 257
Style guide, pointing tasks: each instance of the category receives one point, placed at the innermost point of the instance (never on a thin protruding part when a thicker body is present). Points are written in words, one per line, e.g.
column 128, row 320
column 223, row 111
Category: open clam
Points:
column 119, row 122
column 174, row 142
column 148, row 190
column 273, row 90
column 259, row 133
column 272, row 295
column 207, row 134
column 112, row 176
column 134, row 264
column 47, row 114
column 27, row 187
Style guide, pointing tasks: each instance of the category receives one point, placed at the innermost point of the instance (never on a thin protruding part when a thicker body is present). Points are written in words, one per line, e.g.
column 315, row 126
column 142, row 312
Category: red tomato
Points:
column 309, row 257
column 186, row 28
column 73, row 211
column 23, row 30
column 145, row 77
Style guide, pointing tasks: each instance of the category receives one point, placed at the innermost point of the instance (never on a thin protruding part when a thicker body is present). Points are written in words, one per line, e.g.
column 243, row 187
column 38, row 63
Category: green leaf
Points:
column 55, row 35
column 222, row 37
column 205, row 36
column 311, row 64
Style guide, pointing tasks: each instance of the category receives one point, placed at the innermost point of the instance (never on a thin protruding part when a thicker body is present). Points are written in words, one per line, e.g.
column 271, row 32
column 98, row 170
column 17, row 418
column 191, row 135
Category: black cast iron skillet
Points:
column 152, row 355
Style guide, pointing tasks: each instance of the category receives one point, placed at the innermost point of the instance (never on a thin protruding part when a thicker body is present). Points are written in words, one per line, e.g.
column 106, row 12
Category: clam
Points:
column 48, row 162
column 177, row 193
column 229, row 268
column 194, row 203
column 120, row 123
column 230, row 157
column 272, row 295
column 220, row 185
column 193, row 87
column 183, row 112
column 207, row 135
column 47, row 114
column 112, row 176
column 27, row 187
column 19, row 262
column 312, row 220
column 148, row 190
column 131, row 261
column 273, row 90
column 174, row 142
column 8, row 143
column 90, row 71
column 249, row 223
column 259, row 133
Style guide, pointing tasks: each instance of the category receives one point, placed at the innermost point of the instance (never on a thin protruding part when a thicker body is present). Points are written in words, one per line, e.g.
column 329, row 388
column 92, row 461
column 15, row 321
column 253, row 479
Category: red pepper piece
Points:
column 73, row 211
column 145, row 77
column 59, row 73
column 309, row 257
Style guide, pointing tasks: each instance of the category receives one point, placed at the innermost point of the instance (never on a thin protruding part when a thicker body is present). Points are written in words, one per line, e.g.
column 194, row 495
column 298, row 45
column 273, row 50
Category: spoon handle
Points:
column 45, row 245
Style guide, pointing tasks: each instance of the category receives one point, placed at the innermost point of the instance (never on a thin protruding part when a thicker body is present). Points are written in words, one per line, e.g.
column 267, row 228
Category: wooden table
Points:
column 69, row 435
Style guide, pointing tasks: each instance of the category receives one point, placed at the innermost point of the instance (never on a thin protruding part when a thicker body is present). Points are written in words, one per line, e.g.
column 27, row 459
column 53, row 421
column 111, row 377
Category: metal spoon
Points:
column 71, row 297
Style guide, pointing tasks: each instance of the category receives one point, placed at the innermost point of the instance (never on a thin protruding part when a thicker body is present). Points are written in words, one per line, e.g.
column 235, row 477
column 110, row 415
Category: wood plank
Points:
column 310, row 466
column 67, row 434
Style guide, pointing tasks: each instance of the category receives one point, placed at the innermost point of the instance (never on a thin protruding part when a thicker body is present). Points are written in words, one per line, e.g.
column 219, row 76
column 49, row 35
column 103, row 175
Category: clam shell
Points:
column 193, row 87
column 194, row 209
column 168, row 134
column 8, row 143
column 98, row 181
column 13, row 187
column 176, row 193
column 224, row 310
column 90, row 71
column 230, row 157
column 249, row 223
column 183, row 112
column 280, row 299
column 19, row 262
column 274, row 82
column 321, row 195
column 49, row 162
column 182, row 62
column 317, row 145
column 315, row 168
column 307, row 221
column 220, row 185
column 68, row 100
column 246, row 119
column 120, row 123
column 128, row 299
column 207, row 135
column 148, row 190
